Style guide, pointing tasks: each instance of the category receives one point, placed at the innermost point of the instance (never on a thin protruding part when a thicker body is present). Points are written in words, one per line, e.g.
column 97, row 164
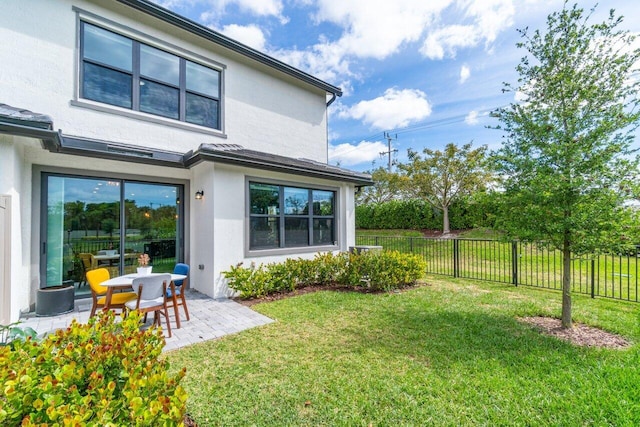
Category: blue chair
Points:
column 175, row 293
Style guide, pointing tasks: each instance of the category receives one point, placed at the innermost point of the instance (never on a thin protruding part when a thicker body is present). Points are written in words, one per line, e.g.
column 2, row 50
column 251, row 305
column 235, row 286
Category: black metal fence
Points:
column 608, row 276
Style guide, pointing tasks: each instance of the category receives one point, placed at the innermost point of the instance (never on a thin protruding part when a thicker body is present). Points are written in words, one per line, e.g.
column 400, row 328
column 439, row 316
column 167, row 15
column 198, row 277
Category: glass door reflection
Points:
column 152, row 224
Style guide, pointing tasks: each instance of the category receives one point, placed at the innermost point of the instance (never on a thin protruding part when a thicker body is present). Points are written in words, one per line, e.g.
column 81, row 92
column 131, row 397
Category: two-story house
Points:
column 126, row 128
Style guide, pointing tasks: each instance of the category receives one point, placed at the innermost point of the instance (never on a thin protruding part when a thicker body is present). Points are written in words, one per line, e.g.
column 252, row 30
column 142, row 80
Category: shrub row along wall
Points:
column 377, row 270
column 418, row 214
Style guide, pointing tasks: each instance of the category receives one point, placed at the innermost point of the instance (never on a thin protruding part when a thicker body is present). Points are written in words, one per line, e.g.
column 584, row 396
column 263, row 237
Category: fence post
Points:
column 376, row 240
column 456, row 258
column 593, row 278
column 411, row 244
column 514, row 263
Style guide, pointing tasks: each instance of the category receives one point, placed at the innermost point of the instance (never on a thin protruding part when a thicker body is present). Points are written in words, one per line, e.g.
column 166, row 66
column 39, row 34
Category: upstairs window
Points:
column 120, row 71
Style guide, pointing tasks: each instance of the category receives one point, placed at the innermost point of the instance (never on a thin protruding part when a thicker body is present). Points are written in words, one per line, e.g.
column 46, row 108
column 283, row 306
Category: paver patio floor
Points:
column 210, row 319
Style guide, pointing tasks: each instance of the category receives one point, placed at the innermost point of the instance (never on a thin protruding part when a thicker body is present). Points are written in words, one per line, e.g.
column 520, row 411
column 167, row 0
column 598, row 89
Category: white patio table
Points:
column 125, row 282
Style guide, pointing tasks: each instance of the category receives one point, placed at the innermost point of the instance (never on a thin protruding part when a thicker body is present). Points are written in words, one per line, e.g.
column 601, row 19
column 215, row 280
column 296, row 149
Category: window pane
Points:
column 152, row 225
column 323, row 231
column 107, row 47
column 82, row 217
column 159, row 99
column 322, row 202
column 264, row 233
column 264, row 199
column 159, row 65
column 105, row 85
column 296, row 201
column 296, row 232
column 202, row 79
column 202, row 111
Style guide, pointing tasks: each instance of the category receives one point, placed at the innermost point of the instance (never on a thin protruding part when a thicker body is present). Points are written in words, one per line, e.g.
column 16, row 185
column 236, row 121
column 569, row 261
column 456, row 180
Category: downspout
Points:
column 333, row 98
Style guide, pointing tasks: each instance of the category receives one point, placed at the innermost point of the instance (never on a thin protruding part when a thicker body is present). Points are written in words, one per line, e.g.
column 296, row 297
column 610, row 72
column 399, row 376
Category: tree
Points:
column 441, row 177
column 386, row 186
column 566, row 158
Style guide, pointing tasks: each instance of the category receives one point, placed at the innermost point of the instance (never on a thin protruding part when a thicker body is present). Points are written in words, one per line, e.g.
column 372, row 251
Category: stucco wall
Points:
column 229, row 219
column 263, row 109
column 13, row 170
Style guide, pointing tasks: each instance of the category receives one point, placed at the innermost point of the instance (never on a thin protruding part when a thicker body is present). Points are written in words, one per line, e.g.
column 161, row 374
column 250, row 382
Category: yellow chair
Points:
column 97, row 276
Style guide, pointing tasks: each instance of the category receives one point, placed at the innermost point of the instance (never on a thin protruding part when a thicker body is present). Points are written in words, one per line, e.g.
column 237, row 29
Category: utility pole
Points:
column 389, row 138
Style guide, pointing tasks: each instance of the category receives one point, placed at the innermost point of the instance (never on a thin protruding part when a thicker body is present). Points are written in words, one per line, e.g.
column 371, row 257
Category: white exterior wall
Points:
column 261, row 111
column 229, row 218
column 13, row 172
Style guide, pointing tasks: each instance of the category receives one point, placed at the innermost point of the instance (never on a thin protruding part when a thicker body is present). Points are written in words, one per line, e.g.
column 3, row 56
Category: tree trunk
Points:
column 445, row 220
column 566, row 284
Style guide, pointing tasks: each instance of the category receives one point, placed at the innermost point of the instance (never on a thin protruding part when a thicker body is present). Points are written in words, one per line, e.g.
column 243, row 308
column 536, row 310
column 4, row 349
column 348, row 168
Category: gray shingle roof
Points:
column 24, row 117
column 236, row 154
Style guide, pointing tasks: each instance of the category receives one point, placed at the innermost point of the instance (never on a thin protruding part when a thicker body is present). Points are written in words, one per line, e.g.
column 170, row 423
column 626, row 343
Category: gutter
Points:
column 193, row 27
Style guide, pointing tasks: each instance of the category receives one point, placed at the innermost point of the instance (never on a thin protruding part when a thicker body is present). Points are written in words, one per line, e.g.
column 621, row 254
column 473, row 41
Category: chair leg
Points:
column 184, row 303
column 166, row 316
column 93, row 310
column 174, row 301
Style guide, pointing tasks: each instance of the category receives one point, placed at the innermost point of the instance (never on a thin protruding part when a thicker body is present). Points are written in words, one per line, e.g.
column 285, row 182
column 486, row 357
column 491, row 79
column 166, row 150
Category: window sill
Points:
column 256, row 253
column 146, row 117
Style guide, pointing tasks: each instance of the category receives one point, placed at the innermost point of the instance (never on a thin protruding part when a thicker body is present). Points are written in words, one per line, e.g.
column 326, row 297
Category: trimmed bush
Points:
column 386, row 270
column 103, row 373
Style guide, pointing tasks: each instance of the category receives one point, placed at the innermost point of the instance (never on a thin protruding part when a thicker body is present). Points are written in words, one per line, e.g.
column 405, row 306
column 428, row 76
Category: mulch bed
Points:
column 189, row 422
column 582, row 335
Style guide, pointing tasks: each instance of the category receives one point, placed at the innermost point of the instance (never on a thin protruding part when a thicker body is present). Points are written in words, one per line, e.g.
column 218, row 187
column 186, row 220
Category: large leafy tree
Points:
column 386, row 186
column 567, row 159
column 442, row 177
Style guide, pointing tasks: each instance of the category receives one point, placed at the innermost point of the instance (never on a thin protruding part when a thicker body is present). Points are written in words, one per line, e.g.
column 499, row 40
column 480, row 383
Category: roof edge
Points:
column 179, row 21
column 204, row 153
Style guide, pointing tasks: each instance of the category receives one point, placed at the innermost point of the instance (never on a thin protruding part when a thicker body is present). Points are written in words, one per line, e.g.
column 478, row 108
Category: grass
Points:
column 452, row 353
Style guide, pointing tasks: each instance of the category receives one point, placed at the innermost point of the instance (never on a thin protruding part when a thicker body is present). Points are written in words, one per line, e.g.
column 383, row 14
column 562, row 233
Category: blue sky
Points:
column 428, row 71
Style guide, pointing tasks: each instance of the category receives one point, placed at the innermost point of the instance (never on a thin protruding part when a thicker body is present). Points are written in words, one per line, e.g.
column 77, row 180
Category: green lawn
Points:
column 451, row 353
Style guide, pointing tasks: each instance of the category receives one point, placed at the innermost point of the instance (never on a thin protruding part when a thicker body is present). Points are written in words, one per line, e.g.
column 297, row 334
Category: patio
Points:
column 210, row 319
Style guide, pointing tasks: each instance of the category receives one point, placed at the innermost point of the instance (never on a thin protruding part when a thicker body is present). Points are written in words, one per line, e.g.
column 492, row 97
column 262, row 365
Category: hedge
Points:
column 375, row 270
column 414, row 214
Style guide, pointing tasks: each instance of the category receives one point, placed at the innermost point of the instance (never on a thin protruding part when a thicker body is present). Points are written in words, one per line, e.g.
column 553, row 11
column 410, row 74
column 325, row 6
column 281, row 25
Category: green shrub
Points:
column 379, row 270
column 103, row 373
column 11, row 333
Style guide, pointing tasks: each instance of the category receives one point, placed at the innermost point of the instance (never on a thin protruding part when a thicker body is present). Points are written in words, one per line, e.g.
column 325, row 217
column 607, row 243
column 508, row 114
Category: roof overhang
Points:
column 237, row 155
column 193, row 27
column 24, row 123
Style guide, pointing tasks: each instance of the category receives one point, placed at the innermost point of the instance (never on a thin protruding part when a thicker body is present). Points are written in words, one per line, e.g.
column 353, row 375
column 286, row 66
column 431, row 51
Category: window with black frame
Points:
column 283, row 216
column 124, row 72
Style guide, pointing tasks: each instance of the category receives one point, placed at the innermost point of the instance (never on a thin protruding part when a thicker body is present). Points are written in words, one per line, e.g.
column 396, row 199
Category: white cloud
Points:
column 250, row 35
column 483, row 20
column 465, row 73
column 254, row 7
column 472, row 118
column 353, row 154
column 395, row 109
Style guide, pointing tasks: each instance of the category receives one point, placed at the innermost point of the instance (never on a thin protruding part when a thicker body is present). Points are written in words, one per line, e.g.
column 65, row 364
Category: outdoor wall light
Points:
column 199, row 194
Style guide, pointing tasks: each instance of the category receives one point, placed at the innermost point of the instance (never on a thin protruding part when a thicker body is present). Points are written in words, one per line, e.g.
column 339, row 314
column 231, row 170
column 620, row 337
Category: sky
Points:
column 415, row 73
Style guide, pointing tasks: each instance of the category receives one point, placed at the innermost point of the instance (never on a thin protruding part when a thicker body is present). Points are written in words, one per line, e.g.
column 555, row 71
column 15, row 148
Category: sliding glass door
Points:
column 93, row 223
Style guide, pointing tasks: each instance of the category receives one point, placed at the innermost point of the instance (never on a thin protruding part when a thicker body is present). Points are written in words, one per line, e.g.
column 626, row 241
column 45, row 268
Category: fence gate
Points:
column 5, row 259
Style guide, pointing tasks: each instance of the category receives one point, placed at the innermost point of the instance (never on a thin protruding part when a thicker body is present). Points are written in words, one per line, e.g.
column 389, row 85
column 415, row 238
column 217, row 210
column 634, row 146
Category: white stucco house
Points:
column 126, row 128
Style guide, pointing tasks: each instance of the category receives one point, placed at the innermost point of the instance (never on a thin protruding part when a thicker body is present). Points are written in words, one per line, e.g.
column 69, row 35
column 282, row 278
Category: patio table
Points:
column 125, row 282
column 97, row 259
